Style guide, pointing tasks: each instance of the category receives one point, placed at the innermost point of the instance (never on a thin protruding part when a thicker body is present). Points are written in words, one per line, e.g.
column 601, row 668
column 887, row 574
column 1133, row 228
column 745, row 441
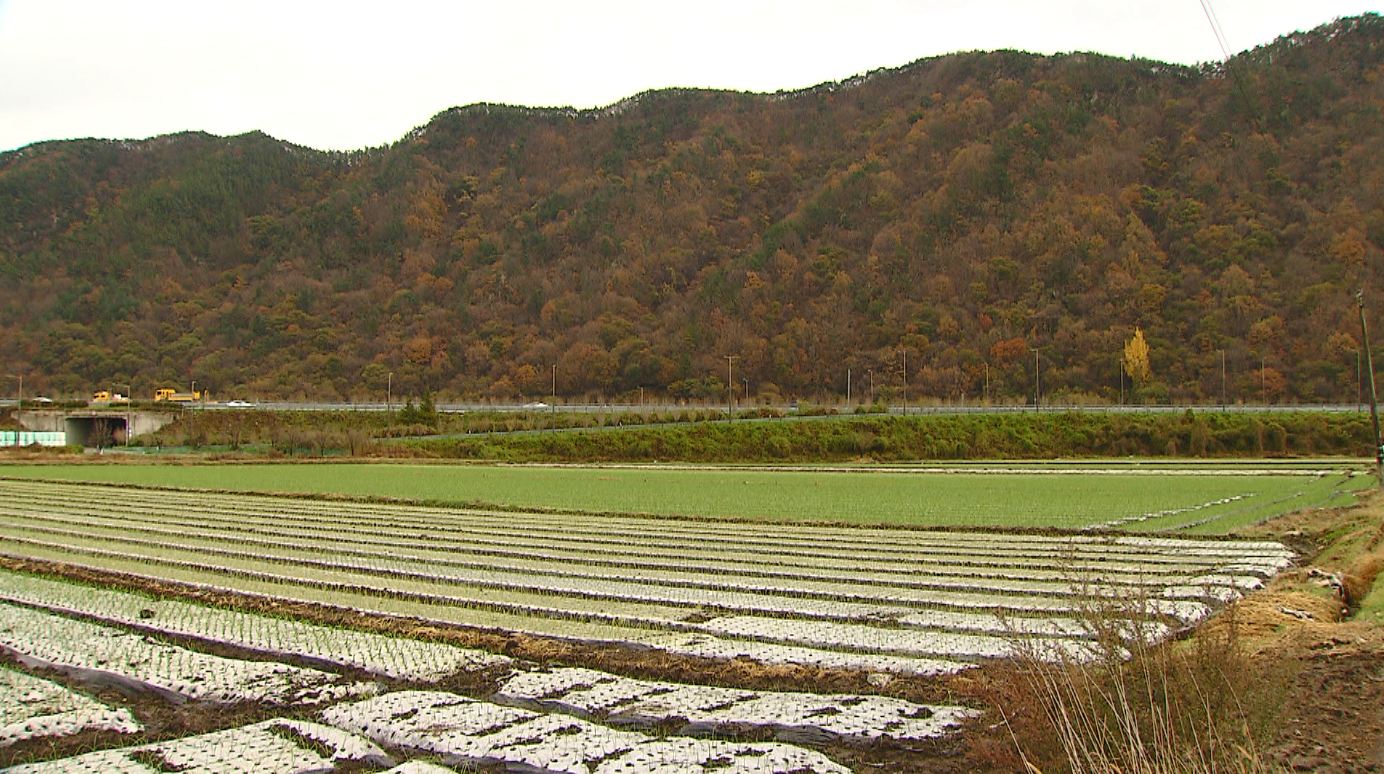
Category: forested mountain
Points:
column 965, row 209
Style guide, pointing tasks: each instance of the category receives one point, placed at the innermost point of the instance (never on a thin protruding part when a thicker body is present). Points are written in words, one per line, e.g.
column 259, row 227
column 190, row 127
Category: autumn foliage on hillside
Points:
column 966, row 210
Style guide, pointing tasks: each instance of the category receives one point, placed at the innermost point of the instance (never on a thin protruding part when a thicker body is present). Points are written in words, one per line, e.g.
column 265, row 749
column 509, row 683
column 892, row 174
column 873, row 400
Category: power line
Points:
column 1216, row 29
column 1235, row 79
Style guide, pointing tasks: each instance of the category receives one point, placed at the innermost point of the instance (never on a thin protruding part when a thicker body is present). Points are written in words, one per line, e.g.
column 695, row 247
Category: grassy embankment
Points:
column 688, row 437
column 935, row 437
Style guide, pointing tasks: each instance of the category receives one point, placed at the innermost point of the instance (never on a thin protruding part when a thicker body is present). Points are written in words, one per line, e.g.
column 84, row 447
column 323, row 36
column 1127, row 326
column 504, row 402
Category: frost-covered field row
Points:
column 539, row 720
column 935, row 599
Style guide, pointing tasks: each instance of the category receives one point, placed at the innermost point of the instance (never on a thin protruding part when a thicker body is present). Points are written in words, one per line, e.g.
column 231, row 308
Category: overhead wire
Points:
column 1209, row 10
column 1215, row 23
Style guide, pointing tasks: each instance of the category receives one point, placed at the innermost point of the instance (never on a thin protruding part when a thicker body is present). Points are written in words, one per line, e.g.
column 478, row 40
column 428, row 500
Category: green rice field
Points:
column 1198, row 501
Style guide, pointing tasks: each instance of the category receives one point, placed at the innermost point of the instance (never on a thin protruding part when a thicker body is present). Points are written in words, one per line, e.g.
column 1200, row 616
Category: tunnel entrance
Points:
column 96, row 432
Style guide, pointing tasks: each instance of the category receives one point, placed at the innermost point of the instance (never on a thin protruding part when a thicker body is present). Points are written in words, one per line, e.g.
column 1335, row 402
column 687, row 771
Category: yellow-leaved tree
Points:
column 1136, row 358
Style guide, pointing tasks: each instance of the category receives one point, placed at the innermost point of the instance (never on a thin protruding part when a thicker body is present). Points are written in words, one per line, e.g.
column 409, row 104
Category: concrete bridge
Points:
column 85, row 427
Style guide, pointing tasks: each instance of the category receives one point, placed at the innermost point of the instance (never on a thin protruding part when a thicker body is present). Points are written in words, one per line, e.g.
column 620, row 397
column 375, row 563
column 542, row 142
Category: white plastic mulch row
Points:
column 1211, row 577
column 467, row 732
column 796, row 717
column 103, row 654
column 1177, row 599
column 981, row 622
column 419, row 767
column 882, row 599
column 687, row 644
column 388, row 656
column 272, row 747
column 942, row 552
column 728, row 649
column 378, row 514
column 847, row 601
column 863, row 639
column 786, row 631
column 34, row 708
column 596, row 534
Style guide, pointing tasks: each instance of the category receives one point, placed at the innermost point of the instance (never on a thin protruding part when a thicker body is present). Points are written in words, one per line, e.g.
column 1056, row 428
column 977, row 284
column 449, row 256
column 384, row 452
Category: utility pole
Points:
column 730, row 385
column 1037, row 385
column 848, row 387
column 905, row 382
column 129, row 416
column 389, row 393
column 1374, row 410
column 1222, row 380
column 987, row 383
column 871, row 372
column 1263, row 382
column 1121, row 369
column 746, row 380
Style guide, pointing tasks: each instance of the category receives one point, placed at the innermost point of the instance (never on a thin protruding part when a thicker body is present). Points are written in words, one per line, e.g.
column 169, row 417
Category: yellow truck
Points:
column 106, row 396
column 173, row 396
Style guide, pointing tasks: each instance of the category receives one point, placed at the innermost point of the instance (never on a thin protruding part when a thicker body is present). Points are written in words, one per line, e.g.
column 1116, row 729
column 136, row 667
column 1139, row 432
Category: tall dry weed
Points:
column 1138, row 703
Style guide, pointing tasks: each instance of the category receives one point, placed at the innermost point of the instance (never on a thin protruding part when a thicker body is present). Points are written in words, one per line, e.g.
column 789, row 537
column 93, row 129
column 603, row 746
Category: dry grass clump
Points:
column 1142, row 707
column 1358, row 579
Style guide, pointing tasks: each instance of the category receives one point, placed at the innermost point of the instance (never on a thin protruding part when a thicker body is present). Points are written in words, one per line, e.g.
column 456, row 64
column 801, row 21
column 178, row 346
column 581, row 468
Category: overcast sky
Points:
column 350, row 74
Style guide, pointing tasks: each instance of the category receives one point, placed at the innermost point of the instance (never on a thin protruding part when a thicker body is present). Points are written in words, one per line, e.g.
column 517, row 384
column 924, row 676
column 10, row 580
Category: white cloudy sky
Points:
column 349, row 74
